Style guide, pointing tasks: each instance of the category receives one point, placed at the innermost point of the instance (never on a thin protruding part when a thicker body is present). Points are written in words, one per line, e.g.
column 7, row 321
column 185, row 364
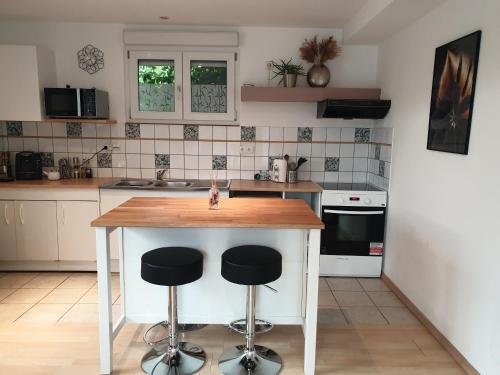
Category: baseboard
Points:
column 445, row 343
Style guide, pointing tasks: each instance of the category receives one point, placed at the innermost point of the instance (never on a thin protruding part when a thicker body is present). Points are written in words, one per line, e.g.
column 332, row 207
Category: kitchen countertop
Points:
column 81, row 183
column 252, row 185
column 194, row 213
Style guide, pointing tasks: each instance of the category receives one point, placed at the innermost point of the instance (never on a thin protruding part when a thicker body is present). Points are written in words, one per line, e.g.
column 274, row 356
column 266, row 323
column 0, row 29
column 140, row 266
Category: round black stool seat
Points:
column 171, row 266
column 251, row 265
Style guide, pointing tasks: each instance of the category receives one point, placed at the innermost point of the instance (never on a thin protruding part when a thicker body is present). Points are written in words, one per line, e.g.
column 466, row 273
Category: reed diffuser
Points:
column 213, row 194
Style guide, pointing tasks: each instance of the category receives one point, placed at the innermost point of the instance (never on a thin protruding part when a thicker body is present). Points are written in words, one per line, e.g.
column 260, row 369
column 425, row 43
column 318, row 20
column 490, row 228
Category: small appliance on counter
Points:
column 279, row 170
column 76, row 103
column 28, row 166
column 5, row 170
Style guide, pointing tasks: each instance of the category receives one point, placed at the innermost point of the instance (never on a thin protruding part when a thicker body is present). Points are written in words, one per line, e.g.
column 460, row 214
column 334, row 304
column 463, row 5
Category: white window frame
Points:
column 133, row 59
column 229, row 58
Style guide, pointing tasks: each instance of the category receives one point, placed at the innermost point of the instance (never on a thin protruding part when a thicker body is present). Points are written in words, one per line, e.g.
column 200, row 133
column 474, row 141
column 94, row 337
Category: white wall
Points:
column 443, row 240
column 355, row 68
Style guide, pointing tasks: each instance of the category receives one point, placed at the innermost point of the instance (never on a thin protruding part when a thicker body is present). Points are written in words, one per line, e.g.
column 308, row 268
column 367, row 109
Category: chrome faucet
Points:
column 160, row 174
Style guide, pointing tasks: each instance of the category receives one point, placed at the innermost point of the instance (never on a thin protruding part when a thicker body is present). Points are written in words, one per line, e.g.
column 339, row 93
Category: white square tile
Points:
column 176, row 132
column 361, row 150
column 147, row 147
column 162, row 131
column 205, row 148
column 359, row 177
column 345, row 177
column 289, row 149
column 104, row 172
column 276, row 134
column 346, row 164
column 360, row 165
column 319, row 134
column 177, row 161
column 247, row 175
column 233, row 148
column 119, row 172
column 317, row 176
column 191, row 162
column 261, row 163
column 347, row 134
column 290, row 134
column 317, row 164
column 205, row 162
column 262, row 133
column 147, row 131
column 333, row 134
column 74, row 145
column 204, row 174
column 117, row 130
column 119, row 145
column 119, row 161
column 134, row 173
column 30, row 129
column 275, row 149
column 205, row 132
column 318, row 149
column 347, row 149
column 30, row 144
column 89, row 130
column 103, row 131
column 162, row 147
column 60, row 144
column 233, row 162
column 191, row 174
column 133, row 146
column 46, row 145
column 219, row 133
column 332, row 149
column 248, row 163
column 44, row 129
column 133, row 161
column 331, row 176
column 59, row 129
column 233, row 174
column 262, row 149
column 147, row 161
column 304, row 175
column 221, row 175
column 177, row 147
column 177, row 173
column 148, row 173
column 219, row 148
column 233, row 133
column 304, row 149
column 191, row 147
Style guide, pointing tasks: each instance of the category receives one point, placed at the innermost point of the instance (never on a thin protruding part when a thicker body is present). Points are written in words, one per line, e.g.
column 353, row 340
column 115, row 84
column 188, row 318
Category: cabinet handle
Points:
column 5, row 214
column 63, row 216
column 21, row 213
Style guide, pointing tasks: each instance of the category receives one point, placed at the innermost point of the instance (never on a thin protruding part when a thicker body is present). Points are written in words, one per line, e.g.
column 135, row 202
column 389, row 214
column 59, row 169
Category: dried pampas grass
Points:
column 319, row 52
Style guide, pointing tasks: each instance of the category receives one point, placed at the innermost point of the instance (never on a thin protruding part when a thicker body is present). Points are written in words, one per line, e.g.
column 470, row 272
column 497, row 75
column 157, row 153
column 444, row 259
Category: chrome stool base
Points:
column 261, row 361
column 261, row 326
column 160, row 331
column 186, row 359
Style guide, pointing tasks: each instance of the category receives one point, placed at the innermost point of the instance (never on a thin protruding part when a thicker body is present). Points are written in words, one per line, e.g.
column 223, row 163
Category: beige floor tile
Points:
column 349, row 284
column 10, row 312
column 385, row 299
column 399, row 316
column 333, row 317
column 16, row 279
column 79, row 281
column 92, row 296
column 115, row 280
column 46, row 281
column 373, row 285
column 364, row 315
column 26, row 296
column 323, row 285
column 64, row 296
column 352, row 299
column 5, row 292
column 326, row 299
column 44, row 313
column 84, row 313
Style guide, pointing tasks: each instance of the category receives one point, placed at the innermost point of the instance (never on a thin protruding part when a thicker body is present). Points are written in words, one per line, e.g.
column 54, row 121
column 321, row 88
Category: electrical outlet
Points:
column 247, row 148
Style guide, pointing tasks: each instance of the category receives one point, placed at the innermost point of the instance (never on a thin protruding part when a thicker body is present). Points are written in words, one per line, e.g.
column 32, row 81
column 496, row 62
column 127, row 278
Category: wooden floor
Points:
column 352, row 336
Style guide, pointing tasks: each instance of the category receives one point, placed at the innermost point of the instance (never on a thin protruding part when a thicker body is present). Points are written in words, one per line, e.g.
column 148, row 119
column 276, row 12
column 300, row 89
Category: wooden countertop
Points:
column 81, row 183
column 298, row 187
column 194, row 213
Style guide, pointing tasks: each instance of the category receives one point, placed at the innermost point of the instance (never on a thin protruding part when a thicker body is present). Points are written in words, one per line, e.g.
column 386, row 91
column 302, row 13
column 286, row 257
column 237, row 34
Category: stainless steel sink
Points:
column 173, row 184
column 134, row 183
column 165, row 185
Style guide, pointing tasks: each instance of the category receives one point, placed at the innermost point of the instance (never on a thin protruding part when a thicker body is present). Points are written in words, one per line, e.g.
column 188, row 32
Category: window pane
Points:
column 156, row 85
column 208, row 86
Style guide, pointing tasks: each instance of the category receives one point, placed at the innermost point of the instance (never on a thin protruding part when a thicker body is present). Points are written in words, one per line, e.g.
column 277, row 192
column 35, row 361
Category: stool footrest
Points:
column 160, row 331
column 261, row 326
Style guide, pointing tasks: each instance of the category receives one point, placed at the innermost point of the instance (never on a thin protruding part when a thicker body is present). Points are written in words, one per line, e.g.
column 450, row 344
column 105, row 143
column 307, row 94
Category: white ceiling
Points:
column 290, row 13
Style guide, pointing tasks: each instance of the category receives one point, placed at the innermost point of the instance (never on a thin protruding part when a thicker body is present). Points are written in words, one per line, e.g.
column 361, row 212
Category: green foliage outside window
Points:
column 164, row 74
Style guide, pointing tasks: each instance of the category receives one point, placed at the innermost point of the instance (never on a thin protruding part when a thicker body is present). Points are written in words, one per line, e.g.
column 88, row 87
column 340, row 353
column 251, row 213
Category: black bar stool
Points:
column 250, row 265
column 172, row 266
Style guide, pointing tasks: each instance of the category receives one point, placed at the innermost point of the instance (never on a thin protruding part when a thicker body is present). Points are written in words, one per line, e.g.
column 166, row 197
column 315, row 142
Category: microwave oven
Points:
column 76, row 103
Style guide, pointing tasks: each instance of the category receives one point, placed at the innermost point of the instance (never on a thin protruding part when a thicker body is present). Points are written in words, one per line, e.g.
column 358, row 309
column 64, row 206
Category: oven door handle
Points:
column 345, row 212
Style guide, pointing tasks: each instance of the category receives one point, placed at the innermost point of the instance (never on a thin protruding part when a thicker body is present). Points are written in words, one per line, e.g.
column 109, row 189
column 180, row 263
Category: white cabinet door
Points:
column 7, row 231
column 76, row 236
column 36, row 230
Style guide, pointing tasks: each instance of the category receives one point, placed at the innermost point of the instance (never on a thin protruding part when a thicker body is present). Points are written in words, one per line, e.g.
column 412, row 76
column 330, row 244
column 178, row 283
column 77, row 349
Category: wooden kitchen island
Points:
column 289, row 226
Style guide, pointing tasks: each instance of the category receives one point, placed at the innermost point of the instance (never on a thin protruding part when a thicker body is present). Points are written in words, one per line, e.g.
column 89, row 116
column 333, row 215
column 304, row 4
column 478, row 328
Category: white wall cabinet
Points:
column 76, row 236
column 24, row 72
column 36, row 230
column 7, row 231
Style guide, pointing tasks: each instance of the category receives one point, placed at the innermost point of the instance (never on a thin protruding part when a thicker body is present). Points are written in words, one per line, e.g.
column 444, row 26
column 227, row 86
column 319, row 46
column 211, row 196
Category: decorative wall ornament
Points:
column 91, row 59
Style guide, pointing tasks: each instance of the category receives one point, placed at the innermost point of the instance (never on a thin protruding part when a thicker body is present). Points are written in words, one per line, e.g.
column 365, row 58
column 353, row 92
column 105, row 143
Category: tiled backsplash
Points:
column 191, row 151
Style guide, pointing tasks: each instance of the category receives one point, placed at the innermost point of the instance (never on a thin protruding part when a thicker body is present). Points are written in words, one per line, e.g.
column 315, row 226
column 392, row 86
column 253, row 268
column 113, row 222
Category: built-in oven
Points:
column 352, row 243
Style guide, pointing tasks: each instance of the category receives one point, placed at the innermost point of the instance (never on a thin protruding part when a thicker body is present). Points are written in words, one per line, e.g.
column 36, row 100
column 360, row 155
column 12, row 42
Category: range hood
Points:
column 353, row 108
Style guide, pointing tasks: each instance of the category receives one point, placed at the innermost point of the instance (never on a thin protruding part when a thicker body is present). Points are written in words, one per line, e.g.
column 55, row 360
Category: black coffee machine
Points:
column 28, row 166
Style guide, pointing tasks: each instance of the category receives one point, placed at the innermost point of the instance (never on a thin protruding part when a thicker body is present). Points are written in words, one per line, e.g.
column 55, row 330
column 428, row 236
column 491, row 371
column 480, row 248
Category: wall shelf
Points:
column 80, row 120
column 304, row 94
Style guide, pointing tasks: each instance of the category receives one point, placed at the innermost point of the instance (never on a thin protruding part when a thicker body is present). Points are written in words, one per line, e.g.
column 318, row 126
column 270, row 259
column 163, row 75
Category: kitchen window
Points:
column 182, row 85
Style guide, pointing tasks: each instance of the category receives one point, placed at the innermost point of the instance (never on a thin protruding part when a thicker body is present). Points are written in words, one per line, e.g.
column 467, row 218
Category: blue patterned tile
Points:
column 132, row 130
column 162, row 161
column 47, row 159
column 332, row 164
column 248, row 133
column 73, row 129
column 191, row 132
column 304, row 135
column 219, row 162
column 14, row 128
column 104, row 160
column 362, row 135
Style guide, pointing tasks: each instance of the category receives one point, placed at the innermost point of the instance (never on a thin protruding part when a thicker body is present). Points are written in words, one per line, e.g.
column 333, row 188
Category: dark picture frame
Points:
column 452, row 100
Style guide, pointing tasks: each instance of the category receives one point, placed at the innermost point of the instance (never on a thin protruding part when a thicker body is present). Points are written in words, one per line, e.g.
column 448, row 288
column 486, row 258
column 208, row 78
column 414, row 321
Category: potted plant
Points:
column 287, row 71
column 317, row 53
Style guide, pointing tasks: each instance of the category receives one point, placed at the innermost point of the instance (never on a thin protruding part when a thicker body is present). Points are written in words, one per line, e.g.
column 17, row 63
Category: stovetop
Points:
column 344, row 186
